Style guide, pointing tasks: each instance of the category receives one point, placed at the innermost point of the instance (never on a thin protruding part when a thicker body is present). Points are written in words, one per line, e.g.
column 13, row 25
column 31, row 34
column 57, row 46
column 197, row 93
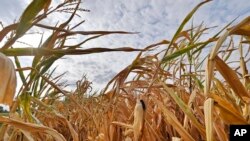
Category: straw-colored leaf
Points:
column 244, row 70
column 225, row 103
column 231, row 77
column 190, row 104
column 228, row 117
column 220, row 131
column 71, row 129
column 208, row 112
column 218, row 45
column 28, row 135
column 171, row 84
column 227, row 112
column 185, row 109
column 33, row 128
column 170, row 118
column 243, row 28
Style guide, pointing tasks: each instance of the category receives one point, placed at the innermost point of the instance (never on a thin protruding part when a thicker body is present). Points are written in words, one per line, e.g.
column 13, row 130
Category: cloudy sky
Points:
column 156, row 20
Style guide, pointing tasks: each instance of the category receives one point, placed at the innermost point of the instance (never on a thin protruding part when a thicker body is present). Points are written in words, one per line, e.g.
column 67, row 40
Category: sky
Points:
column 155, row 20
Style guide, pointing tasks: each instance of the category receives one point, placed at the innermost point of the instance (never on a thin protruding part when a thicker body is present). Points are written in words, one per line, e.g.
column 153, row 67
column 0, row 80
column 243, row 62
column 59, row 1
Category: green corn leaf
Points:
column 184, row 50
column 21, row 74
column 25, row 104
column 29, row 15
column 184, row 22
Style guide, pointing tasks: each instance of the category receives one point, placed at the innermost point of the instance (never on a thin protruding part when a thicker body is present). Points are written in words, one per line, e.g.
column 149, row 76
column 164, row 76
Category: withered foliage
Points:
column 182, row 92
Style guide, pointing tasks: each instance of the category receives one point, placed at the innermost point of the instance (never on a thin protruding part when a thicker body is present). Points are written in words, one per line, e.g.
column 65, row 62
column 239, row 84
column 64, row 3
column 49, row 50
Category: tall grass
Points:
column 173, row 97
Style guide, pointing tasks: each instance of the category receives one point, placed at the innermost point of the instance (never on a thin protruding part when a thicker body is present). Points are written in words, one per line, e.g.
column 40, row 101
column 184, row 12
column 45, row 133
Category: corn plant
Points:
column 180, row 93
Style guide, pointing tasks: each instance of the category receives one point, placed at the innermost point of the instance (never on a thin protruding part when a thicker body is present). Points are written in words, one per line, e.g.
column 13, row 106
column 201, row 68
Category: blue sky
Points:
column 156, row 20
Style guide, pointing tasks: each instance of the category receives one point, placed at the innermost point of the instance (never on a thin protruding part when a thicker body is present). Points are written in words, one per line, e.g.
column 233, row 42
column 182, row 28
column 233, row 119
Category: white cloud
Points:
column 155, row 20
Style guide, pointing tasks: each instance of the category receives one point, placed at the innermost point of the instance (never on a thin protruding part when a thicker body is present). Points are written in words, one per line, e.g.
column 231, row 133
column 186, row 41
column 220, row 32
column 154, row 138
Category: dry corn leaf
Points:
column 152, row 131
column 71, row 129
column 170, row 118
column 231, row 77
column 210, row 63
column 33, row 128
column 185, row 109
column 228, row 115
column 190, row 101
column 226, row 104
column 244, row 25
column 244, row 70
column 28, row 135
column 243, row 28
column 221, row 133
column 208, row 112
column 209, row 76
column 224, row 94
column 6, row 30
column 218, row 45
column 8, row 80
column 220, row 87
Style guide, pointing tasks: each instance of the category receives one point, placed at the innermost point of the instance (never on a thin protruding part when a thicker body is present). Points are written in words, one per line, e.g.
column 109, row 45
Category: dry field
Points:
column 176, row 94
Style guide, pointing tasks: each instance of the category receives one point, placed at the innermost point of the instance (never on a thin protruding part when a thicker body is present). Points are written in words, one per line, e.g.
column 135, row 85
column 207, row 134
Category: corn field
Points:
column 176, row 94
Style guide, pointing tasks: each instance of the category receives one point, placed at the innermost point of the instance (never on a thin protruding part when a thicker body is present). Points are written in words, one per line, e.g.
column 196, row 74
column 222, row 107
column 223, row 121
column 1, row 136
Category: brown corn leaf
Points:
column 190, row 103
column 243, row 28
column 170, row 118
column 228, row 117
column 229, row 114
column 185, row 109
column 71, row 129
column 222, row 135
column 32, row 128
column 231, row 77
column 28, row 135
column 244, row 70
column 6, row 30
column 226, row 103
